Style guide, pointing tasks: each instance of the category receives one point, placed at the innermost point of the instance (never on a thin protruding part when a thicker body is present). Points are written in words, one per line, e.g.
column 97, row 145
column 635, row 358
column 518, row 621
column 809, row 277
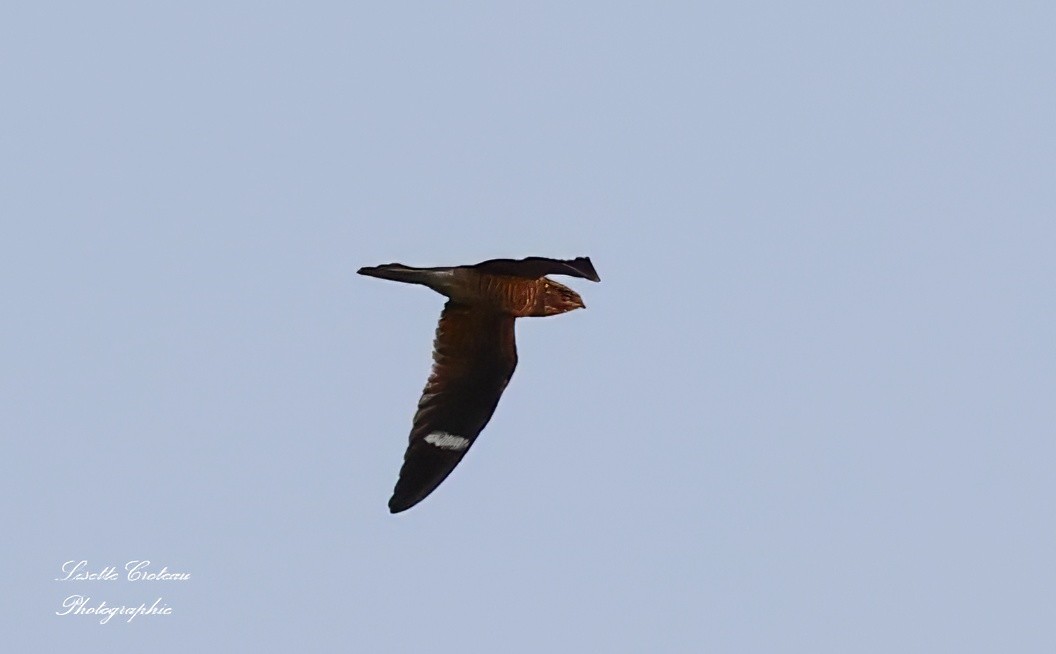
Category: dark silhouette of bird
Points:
column 474, row 354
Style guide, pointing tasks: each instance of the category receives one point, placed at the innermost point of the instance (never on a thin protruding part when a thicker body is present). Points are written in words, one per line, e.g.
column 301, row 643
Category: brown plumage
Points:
column 474, row 354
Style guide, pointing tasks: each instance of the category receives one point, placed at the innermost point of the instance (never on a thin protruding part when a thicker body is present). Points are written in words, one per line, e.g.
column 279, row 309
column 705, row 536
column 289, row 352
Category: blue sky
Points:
column 808, row 409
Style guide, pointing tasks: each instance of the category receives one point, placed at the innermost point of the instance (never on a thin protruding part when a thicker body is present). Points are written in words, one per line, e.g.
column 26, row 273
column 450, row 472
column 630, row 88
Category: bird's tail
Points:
column 398, row 272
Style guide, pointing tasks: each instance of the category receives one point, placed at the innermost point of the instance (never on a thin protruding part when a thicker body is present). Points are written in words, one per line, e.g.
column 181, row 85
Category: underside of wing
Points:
column 474, row 356
column 536, row 267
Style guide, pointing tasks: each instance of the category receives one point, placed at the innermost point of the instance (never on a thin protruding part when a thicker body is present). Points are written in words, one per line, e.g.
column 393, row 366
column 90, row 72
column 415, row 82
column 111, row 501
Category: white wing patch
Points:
column 446, row 441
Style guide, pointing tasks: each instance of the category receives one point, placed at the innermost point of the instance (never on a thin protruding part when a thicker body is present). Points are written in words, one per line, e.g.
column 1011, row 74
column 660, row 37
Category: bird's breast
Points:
column 514, row 296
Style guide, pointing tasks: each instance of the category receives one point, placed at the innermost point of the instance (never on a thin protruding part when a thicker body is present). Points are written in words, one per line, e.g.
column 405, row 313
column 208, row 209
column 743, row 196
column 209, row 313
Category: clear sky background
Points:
column 808, row 409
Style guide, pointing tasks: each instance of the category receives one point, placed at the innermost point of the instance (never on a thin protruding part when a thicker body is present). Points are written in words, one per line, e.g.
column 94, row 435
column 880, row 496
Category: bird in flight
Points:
column 474, row 354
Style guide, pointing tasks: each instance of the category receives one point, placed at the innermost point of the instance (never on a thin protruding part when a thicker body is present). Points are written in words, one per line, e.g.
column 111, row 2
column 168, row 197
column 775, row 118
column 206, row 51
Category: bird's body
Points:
column 474, row 354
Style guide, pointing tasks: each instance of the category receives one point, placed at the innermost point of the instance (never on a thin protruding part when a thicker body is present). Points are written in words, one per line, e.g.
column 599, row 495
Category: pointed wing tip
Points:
column 399, row 504
column 584, row 266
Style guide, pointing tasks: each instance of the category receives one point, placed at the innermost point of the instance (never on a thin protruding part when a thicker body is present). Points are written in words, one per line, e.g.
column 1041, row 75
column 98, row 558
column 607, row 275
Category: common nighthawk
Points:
column 474, row 354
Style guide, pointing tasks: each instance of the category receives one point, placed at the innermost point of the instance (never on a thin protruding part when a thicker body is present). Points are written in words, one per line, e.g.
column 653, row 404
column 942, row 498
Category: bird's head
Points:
column 558, row 298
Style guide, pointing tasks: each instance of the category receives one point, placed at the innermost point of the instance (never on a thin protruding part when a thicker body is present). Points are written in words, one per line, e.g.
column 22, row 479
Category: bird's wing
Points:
column 474, row 355
column 536, row 267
